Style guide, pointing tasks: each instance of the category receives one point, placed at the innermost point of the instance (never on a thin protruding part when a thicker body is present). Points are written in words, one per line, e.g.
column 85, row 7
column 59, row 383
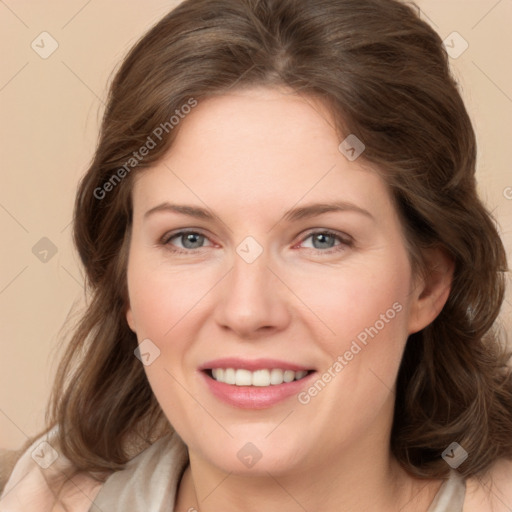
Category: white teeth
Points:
column 276, row 376
column 243, row 378
column 289, row 375
column 229, row 376
column 259, row 378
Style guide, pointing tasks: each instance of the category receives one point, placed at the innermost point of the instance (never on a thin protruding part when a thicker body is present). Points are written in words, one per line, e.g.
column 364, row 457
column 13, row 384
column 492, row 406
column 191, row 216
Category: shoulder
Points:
column 491, row 492
column 8, row 459
column 28, row 487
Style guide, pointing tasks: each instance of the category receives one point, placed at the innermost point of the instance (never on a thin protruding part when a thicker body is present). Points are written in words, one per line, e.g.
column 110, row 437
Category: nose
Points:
column 252, row 301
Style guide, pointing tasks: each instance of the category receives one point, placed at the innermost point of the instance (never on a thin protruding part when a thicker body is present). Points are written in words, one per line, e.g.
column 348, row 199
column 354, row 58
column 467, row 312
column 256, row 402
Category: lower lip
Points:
column 255, row 397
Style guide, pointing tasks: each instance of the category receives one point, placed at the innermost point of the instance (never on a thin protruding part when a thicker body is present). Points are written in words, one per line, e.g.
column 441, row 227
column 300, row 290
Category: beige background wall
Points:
column 49, row 120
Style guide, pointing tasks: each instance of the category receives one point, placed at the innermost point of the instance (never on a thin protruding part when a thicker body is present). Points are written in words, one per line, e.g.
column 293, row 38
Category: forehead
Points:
column 274, row 122
column 255, row 148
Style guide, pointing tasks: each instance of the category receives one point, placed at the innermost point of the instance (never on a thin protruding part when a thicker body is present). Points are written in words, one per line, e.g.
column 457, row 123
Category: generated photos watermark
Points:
column 147, row 352
column 356, row 346
column 44, row 454
column 454, row 455
column 151, row 143
column 249, row 455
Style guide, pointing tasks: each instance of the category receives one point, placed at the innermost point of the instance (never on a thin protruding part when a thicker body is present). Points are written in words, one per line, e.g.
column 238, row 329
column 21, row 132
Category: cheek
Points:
column 169, row 308
column 376, row 308
column 165, row 305
column 161, row 298
column 359, row 302
column 374, row 332
column 367, row 310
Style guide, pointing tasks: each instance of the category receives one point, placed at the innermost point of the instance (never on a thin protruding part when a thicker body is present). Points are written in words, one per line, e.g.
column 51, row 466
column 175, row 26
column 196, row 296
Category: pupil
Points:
column 189, row 239
column 321, row 238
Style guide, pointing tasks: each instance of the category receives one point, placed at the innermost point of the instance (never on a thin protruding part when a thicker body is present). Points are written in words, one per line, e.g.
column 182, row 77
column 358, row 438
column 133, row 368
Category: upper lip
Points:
column 252, row 364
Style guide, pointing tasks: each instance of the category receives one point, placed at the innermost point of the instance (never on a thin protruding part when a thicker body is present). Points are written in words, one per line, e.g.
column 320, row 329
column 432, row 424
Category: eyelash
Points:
column 345, row 241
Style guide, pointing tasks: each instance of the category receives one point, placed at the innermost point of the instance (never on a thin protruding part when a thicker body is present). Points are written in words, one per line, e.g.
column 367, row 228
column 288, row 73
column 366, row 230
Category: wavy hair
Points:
column 385, row 75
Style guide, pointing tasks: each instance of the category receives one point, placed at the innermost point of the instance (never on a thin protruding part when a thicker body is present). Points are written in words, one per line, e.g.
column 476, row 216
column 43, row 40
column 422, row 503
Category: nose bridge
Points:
column 251, row 299
column 250, row 277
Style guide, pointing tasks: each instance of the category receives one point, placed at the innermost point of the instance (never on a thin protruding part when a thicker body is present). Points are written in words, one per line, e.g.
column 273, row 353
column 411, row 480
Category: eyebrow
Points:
column 191, row 211
column 312, row 210
column 295, row 214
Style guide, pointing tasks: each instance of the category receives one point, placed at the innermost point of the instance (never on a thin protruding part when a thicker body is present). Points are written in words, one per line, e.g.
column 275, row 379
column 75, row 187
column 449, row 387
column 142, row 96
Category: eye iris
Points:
column 192, row 238
column 321, row 238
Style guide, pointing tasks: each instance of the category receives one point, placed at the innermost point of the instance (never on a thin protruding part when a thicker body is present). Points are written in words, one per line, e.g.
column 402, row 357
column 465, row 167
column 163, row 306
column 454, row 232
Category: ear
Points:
column 130, row 319
column 431, row 290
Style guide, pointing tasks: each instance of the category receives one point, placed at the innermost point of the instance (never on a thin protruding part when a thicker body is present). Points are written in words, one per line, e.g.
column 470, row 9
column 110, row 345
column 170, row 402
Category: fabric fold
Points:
column 451, row 495
column 149, row 482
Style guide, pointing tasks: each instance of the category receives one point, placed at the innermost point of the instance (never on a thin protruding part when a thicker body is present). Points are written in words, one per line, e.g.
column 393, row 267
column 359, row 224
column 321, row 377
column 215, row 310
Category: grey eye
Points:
column 323, row 240
column 191, row 240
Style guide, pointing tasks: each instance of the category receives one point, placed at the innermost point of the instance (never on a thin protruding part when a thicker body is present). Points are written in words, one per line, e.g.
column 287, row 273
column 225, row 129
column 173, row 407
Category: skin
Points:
column 248, row 157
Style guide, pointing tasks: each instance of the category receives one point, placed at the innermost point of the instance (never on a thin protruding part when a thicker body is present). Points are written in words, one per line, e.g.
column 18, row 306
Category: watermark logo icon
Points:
column 147, row 352
column 454, row 455
column 351, row 147
column 44, row 454
column 249, row 455
column 455, row 45
column 249, row 249
column 44, row 45
column 44, row 250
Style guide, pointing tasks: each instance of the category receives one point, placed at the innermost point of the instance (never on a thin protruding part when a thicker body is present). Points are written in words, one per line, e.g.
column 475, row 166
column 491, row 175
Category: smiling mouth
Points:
column 257, row 378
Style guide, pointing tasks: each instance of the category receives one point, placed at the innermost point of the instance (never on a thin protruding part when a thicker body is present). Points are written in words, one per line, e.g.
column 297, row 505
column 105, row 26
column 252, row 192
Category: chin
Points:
column 256, row 458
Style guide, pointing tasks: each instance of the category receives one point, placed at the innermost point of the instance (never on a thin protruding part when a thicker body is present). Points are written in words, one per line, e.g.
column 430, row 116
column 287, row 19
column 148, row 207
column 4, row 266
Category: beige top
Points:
column 148, row 483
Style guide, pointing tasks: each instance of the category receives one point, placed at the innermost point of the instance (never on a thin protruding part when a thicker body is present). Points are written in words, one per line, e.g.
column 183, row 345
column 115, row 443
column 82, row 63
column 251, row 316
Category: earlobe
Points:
column 129, row 319
column 432, row 290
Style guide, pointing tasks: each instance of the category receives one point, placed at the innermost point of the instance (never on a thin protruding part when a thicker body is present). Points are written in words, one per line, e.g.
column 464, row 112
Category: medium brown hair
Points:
column 385, row 75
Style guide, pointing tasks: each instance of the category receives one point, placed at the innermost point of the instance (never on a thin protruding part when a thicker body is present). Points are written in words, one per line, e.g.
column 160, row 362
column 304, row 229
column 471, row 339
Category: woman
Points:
column 293, row 282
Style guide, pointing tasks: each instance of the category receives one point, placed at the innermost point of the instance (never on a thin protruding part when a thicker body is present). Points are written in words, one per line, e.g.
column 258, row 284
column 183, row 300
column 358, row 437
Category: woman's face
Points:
column 260, row 254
